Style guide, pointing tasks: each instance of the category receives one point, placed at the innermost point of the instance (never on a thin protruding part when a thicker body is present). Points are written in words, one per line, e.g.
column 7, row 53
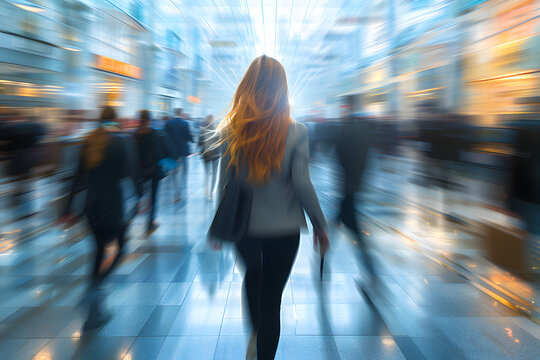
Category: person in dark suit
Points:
column 149, row 150
column 353, row 141
column 179, row 132
column 107, row 157
column 20, row 137
column 524, row 190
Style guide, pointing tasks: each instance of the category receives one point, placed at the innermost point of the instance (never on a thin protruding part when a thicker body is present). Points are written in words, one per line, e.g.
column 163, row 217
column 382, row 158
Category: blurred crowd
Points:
column 446, row 144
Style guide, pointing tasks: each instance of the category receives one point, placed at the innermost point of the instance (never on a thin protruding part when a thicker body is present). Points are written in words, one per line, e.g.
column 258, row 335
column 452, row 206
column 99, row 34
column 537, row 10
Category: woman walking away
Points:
column 268, row 151
column 149, row 147
column 208, row 142
column 104, row 162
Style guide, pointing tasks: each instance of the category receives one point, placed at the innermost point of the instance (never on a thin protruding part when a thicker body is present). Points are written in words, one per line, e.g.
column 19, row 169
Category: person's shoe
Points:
column 96, row 322
column 251, row 351
column 151, row 228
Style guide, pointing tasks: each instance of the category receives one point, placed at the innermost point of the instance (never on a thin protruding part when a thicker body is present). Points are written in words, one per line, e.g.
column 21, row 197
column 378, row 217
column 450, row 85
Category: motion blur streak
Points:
column 424, row 133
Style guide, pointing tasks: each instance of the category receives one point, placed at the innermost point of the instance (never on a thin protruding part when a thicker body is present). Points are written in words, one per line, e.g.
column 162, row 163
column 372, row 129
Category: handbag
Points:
column 166, row 165
column 232, row 215
column 166, row 161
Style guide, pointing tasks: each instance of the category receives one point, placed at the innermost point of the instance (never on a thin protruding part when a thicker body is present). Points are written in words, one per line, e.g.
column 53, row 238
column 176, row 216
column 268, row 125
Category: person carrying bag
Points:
column 264, row 188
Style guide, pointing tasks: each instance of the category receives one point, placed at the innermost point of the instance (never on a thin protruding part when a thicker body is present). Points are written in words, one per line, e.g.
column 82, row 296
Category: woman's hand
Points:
column 320, row 241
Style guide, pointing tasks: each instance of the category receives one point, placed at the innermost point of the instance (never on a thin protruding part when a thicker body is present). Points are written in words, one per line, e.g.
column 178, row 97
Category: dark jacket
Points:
column 278, row 205
column 353, row 141
column 21, row 139
column 180, row 134
column 526, row 165
column 149, row 151
column 105, row 203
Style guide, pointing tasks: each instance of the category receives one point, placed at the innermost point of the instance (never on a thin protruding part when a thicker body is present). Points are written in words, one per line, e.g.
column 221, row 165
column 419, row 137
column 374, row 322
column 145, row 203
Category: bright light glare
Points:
column 29, row 7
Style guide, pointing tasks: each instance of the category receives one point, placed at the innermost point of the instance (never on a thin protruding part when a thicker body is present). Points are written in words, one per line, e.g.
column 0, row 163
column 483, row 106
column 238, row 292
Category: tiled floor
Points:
column 174, row 298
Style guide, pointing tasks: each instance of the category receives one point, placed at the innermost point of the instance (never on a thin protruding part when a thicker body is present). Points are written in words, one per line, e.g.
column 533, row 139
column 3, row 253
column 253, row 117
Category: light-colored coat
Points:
column 278, row 205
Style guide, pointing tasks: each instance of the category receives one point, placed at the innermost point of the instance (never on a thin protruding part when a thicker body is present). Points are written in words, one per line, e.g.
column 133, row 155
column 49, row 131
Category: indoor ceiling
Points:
column 299, row 33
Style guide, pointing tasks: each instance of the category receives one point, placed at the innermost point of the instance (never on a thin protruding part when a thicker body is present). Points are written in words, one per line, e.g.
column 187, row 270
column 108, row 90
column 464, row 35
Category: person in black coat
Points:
column 525, row 190
column 107, row 158
column 20, row 138
column 180, row 134
column 149, row 150
column 353, row 141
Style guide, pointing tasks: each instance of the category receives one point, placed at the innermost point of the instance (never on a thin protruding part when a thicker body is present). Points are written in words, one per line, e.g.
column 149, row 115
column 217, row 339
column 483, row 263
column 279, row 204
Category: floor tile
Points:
column 309, row 347
column 368, row 348
column 188, row 348
column 160, row 321
column 144, row 348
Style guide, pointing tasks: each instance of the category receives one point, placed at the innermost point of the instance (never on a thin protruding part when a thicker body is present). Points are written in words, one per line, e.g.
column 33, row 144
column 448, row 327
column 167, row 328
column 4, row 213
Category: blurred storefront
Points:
column 30, row 67
column 117, row 84
column 115, row 55
column 501, row 63
column 376, row 95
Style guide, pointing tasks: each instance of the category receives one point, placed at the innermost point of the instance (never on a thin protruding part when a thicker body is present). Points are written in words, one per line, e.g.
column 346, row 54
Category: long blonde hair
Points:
column 256, row 127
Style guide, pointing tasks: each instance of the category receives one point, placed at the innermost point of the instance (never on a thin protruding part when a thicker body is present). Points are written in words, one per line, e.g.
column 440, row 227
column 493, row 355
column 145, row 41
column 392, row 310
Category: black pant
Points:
column 268, row 263
column 154, row 182
column 211, row 169
column 347, row 215
column 103, row 237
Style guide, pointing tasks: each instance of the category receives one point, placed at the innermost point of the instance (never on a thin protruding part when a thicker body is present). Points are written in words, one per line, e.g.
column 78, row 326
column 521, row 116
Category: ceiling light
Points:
column 28, row 6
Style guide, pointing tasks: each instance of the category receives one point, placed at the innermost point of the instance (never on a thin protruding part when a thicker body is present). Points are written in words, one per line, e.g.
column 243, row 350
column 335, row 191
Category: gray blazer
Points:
column 278, row 205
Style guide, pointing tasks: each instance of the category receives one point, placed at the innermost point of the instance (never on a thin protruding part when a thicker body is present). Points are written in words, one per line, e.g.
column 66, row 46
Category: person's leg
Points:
column 174, row 177
column 215, row 164
column 120, row 240
column 100, row 241
column 184, row 176
column 94, row 298
column 347, row 214
column 277, row 260
column 181, row 162
column 181, row 167
column 207, row 178
column 154, row 183
column 349, row 218
column 250, row 252
column 365, row 257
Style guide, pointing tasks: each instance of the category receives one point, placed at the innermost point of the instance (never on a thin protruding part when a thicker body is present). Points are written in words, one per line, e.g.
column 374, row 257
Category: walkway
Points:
column 173, row 298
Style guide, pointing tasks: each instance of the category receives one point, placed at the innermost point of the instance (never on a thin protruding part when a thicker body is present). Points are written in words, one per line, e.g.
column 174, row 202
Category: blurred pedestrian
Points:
column 353, row 142
column 268, row 152
column 149, row 150
column 525, row 190
column 180, row 134
column 20, row 137
column 210, row 150
column 106, row 158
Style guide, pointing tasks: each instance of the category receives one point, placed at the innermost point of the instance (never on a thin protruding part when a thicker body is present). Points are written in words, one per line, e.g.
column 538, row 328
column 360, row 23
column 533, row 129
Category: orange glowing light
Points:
column 506, row 76
column 194, row 99
column 118, row 67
